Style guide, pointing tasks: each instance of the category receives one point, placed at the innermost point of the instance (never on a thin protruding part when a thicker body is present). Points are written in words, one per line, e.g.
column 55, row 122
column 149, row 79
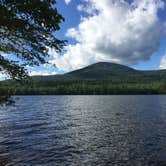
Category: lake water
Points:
column 84, row 130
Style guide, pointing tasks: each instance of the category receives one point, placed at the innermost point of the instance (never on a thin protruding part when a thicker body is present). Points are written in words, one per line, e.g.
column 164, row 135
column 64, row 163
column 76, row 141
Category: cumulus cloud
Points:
column 67, row 1
column 115, row 31
column 163, row 62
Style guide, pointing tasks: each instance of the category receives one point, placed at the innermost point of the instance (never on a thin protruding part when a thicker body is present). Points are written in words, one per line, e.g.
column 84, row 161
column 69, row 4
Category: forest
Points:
column 84, row 88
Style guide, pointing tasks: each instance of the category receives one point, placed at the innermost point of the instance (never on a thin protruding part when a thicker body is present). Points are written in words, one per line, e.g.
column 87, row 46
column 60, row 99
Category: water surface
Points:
column 84, row 130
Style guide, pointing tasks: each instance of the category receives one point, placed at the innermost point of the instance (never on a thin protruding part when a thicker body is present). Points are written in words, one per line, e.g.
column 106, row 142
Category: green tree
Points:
column 26, row 32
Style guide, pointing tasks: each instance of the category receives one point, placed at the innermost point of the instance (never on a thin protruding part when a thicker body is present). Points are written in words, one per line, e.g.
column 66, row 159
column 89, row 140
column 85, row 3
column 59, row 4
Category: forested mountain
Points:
column 105, row 71
column 98, row 78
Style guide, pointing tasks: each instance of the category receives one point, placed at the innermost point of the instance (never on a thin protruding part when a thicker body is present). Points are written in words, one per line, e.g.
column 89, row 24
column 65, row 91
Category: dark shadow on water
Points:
column 6, row 100
column 6, row 162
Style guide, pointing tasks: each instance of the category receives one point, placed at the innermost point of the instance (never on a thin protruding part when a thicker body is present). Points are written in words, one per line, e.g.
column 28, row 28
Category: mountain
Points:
column 102, row 71
column 106, row 71
column 98, row 78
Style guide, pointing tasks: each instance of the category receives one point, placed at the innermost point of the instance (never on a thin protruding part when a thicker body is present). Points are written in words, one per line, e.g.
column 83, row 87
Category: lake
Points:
column 84, row 130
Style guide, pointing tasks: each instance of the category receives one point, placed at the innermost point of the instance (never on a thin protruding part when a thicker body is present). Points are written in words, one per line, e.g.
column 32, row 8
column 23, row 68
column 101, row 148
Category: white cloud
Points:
column 3, row 76
column 42, row 70
column 42, row 73
column 67, row 1
column 116, row 31
column 163, row 62
column 33, row 72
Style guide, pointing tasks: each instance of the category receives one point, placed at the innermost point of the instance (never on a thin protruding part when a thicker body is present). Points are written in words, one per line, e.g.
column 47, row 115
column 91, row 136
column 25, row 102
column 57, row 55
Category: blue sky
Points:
column 72, row 19
column 122, row 31
column 146, row 62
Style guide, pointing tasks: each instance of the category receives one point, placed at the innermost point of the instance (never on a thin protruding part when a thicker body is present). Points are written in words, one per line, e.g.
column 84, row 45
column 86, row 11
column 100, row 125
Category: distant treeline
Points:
column 82, row 88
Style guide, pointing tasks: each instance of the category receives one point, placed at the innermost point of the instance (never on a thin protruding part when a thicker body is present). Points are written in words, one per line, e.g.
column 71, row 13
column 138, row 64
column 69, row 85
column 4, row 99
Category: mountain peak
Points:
column 106, row 71
column 101, row 70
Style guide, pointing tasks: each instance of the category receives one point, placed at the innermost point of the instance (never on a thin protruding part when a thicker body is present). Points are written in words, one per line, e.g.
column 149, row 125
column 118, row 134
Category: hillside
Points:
column 99, row 78
column 106, row 71
column 102, row 71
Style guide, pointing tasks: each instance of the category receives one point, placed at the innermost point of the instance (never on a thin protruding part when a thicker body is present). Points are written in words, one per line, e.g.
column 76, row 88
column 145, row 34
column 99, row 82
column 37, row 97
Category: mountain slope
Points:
column 102, row 70
column 99, row 78
column 106, row 71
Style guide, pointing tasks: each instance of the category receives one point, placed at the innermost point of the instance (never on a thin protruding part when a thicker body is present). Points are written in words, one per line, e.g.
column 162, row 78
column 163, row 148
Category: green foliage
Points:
column 26, row 31
column 85, row 88
column 107, row 79
column 104, row 72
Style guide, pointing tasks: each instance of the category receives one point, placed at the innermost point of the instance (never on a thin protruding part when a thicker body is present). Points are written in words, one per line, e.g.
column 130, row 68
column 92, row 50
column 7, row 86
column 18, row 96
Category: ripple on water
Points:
column 84, row 130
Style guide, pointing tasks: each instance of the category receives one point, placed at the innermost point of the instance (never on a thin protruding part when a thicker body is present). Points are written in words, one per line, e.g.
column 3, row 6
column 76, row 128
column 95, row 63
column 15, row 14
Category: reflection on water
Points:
column 84, row 130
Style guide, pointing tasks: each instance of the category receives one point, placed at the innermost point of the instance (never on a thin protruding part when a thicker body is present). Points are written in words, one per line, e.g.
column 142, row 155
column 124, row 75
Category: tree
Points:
column 26, row 32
